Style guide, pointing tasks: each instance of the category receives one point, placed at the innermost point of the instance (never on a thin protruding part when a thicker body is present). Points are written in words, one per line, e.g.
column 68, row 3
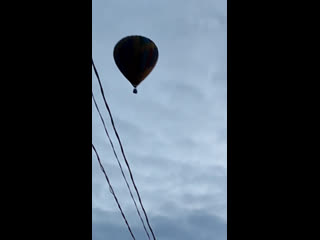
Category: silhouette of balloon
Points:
column 135, row 56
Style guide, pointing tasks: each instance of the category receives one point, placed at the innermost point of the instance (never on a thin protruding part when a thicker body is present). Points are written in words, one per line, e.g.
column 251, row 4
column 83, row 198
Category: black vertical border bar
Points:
column 83, row 195
column 71, row 165
column 239, row 122
column 78, row 124
column 47, row 156
column 251, row 163
column 74, row 170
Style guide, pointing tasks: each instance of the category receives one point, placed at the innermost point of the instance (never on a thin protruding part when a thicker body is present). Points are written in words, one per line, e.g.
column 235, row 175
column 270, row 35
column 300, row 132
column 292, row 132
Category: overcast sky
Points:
column 174, row 130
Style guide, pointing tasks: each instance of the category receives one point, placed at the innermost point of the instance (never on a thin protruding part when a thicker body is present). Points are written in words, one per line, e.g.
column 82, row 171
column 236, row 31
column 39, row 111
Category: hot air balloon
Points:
column 135, row 56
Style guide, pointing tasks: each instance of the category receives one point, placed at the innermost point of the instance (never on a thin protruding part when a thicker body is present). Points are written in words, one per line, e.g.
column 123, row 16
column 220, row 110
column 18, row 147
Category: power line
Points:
column 122, row 151
column 112, row 192
column 106, row 131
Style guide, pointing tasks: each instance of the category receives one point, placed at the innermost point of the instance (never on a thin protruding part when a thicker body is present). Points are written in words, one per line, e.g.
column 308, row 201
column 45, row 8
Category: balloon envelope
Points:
column 135, row 57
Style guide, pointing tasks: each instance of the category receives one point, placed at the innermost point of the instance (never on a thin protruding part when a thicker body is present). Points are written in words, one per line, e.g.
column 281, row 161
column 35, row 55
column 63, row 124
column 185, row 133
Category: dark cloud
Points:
column 187, row 225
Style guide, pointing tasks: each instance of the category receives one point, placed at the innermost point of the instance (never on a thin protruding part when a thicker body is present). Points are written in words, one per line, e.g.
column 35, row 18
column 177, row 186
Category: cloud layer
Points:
column 174, row 131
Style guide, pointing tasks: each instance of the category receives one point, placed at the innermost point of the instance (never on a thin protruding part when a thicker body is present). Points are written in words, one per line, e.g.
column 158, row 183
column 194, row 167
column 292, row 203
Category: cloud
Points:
column 174, row 131
column 187, row 225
